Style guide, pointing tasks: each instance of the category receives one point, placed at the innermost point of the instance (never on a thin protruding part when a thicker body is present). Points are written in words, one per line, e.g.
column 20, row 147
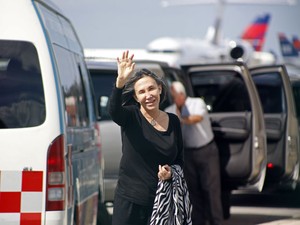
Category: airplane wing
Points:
column 193, row 2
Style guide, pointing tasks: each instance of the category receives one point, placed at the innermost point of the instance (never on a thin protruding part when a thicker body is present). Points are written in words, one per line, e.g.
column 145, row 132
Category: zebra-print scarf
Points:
column 172, row 204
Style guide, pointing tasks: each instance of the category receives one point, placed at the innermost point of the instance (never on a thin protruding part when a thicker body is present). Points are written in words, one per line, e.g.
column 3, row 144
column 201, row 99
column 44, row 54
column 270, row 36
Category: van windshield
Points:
column 22, row 102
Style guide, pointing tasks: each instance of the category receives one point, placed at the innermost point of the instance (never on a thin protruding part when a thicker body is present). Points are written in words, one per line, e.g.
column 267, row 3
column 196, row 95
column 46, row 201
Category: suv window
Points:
column 222, row 91
column 22, row 102
column 271, row 92
column 103, row 84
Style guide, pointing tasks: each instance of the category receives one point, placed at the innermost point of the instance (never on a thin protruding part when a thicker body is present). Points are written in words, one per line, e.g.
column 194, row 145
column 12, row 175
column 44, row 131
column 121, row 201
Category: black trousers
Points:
column 128, row 213
column 202, row 174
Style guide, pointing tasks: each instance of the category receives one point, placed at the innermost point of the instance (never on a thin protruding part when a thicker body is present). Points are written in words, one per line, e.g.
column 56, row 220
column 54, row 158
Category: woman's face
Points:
column 147, row 93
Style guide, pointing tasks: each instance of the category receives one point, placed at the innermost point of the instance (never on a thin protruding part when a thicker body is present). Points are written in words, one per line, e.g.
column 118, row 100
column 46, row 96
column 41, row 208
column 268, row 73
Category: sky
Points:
column 135, row 23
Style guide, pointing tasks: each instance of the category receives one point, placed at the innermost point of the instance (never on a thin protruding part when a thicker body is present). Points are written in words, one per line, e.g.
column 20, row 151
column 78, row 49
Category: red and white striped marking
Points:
column 21, row 197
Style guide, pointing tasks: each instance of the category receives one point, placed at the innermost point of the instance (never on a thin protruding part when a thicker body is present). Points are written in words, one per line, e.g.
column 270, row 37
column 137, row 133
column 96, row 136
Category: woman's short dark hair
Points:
column 128, row 91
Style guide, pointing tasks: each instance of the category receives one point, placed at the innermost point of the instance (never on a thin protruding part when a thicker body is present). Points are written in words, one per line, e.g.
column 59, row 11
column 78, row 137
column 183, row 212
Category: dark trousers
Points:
column 202, row 174
column 129, row 213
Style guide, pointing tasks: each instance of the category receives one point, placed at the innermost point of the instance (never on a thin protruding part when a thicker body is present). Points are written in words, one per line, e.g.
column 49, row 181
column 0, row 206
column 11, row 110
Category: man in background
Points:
column 202, row 166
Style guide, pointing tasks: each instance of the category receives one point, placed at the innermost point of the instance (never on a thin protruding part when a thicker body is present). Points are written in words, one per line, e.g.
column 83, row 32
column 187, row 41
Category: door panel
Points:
column 232, row 128
column 274, row 126
column 233, row 137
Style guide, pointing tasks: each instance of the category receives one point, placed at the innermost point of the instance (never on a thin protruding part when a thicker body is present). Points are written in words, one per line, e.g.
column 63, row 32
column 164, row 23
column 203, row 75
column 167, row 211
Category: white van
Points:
column 49, row 139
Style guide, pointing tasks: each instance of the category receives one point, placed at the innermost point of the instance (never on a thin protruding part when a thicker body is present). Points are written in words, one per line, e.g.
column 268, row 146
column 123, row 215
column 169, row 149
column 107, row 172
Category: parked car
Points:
column 279, row 93
column 50, row 155
column 103, row 73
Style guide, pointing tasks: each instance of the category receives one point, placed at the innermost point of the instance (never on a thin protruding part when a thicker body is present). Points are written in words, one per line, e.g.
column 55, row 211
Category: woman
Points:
column 151, row 141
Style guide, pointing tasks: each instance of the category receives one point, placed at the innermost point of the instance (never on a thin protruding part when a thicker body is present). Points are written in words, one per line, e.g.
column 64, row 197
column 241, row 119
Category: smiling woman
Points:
column 151, row 141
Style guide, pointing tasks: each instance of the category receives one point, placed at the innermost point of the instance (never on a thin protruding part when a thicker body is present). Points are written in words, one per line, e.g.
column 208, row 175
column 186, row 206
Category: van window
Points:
column 271, row 92
column 222, row 91
column 60, row 30
column 22, row 102
column 70, row 35
column 72, row 87
column 88, row 88
column 53, row 26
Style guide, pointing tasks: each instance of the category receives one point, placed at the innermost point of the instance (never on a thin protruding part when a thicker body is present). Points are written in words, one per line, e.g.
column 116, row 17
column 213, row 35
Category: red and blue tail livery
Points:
column 255, row 33
column 287, row 47
column 296, row 43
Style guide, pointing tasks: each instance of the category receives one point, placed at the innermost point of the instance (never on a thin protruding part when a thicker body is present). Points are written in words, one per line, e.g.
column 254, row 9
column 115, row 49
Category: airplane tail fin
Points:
column 287, row 48
column 296, row 43
column 255, row 33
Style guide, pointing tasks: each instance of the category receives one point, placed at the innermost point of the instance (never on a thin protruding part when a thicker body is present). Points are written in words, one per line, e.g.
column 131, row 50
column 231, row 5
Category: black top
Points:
column 144, row 148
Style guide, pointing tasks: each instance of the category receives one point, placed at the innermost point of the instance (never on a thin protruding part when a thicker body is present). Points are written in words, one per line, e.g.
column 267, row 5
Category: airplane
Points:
column 180, row 51
column 289, row 50
column 214, row 49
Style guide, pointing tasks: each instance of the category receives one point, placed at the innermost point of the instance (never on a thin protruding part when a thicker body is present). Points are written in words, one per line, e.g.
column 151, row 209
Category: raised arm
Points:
column 126, row 66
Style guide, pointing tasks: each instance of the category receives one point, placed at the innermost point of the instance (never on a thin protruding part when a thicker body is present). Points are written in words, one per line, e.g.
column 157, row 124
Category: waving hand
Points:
column 125, row 69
